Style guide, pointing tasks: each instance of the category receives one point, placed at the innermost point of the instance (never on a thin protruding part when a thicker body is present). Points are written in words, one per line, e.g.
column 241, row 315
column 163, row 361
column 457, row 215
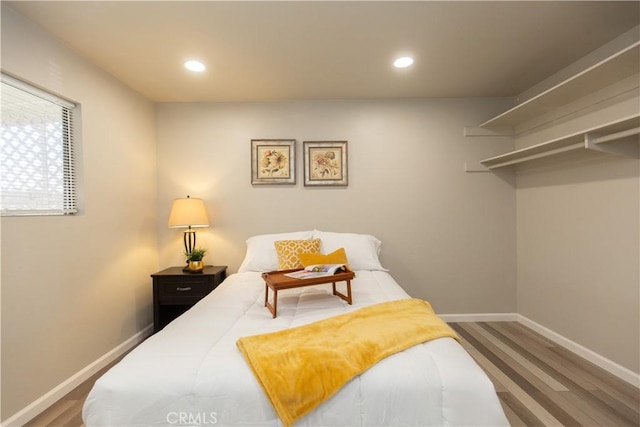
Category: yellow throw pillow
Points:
column 288, row 251
column 339, row 256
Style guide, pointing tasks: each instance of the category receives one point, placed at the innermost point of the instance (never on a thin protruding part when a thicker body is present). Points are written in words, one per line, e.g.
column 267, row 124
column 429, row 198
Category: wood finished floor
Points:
column 538, row 382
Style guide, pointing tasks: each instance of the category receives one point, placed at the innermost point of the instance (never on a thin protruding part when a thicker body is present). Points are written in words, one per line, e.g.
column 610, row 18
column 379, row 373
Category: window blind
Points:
column 36, row 151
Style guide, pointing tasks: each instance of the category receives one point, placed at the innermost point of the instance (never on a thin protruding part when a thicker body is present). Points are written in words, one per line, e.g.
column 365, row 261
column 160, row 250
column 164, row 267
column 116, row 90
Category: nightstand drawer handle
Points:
column 183, row 288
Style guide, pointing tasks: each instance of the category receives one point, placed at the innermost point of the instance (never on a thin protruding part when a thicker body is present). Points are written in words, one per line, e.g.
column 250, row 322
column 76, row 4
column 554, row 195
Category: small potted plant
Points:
column 194, row 258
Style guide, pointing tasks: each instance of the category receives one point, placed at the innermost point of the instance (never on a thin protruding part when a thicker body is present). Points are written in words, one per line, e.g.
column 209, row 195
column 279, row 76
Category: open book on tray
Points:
column 318, row 270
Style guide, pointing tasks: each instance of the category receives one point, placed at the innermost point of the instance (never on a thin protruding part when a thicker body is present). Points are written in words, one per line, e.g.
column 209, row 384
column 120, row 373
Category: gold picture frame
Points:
column 273, row 161
column 325, row 163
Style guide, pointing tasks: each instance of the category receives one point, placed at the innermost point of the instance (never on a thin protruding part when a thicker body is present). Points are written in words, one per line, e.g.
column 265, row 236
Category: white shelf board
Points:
column 614, row 68
column 584, row 139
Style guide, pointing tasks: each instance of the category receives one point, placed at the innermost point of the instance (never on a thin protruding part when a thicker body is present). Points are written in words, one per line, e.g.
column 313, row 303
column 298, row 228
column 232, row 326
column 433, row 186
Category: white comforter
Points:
column 191, row 372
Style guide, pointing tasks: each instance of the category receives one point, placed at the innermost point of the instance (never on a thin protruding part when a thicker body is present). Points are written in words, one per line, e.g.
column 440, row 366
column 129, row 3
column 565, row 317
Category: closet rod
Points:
column 538, row 156
column 617, row 135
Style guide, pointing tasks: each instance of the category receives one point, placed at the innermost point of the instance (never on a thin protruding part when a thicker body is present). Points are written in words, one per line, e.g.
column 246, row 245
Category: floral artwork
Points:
column 325, row 163
column 273, row 161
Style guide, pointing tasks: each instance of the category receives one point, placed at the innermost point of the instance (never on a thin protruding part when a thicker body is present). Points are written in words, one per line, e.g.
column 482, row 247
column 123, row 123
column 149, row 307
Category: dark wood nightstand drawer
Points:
column 175, row 291
column 179, row 287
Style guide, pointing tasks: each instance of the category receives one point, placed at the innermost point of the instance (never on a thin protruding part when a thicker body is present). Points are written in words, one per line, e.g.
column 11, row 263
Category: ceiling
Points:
column 257, row 51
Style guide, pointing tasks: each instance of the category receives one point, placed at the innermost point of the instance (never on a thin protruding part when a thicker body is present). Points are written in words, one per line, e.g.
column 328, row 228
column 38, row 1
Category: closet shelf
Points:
column 620, row 138
column 614, row 68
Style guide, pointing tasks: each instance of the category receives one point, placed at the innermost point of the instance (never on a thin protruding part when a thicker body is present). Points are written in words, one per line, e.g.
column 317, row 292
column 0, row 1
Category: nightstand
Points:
column 175, row 291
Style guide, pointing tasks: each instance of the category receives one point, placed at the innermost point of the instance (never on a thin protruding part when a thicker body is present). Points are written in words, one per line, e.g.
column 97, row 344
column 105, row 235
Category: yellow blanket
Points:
column 301, row 367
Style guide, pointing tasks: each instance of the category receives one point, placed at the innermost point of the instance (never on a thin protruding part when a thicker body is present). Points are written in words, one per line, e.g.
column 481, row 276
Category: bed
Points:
column 192, row 373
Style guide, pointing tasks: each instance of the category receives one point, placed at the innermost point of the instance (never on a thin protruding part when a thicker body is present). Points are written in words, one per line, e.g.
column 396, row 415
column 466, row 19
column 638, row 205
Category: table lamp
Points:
column 188, row 213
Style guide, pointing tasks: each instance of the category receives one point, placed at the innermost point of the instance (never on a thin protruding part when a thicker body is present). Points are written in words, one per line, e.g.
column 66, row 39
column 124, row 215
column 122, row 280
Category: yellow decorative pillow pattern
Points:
column 288, row 251
column 339, row 256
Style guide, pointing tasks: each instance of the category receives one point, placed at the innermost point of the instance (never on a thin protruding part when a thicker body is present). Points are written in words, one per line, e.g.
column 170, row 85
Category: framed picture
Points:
column 273, row 161
column 325, row 163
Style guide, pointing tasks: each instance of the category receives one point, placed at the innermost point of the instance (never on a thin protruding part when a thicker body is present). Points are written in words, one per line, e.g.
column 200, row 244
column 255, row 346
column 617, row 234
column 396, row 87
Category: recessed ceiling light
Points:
column 193, row 65
column 403, row 62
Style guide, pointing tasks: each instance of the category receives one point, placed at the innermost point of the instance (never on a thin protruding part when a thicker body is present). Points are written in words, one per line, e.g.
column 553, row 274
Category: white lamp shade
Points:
column 188, row 212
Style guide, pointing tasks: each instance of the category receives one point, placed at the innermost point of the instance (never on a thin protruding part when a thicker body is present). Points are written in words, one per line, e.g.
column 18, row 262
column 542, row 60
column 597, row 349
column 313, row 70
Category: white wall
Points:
column 75, row 287
column 578, row 252
column 448, row 236
column 578, row 231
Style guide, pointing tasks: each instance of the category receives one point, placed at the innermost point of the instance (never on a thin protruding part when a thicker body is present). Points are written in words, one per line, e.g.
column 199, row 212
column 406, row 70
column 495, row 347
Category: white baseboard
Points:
column 480, row 317
column 38, row 406
column 593, row 357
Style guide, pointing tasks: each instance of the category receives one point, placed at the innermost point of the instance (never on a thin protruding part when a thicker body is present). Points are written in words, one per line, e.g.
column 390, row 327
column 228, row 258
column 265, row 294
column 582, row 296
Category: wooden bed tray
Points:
column 277, row 281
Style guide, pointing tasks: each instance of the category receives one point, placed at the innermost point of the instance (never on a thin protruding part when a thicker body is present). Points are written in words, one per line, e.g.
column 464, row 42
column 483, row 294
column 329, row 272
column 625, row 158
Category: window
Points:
column 36, row 152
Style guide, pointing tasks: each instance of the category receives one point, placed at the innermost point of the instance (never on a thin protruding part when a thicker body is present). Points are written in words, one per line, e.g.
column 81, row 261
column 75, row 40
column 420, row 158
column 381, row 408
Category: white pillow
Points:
column 261, row 252
column 362, row 249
